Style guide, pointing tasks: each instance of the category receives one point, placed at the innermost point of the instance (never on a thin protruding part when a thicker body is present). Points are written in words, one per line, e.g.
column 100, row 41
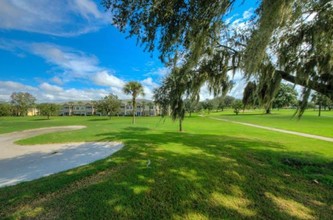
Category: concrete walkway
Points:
column 278, row 130
column 23, row 163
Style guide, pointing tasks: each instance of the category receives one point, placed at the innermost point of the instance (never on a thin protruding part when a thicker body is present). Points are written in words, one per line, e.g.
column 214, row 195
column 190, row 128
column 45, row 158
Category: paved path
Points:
column 23, row 163
column 278, row 130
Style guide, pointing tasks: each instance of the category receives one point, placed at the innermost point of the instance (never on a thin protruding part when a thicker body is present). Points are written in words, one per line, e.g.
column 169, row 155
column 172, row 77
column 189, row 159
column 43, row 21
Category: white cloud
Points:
column 161, row 72
column 50, row 88
column 18, row 87
column 50, row 93
column 149, row 82
column 58, row 18
column 104, row 78
column 149, row 85
column 57, row 80
column 238, row 89
column 248, row 14
column 87, row 9
column 204, row 93
column 72, row 61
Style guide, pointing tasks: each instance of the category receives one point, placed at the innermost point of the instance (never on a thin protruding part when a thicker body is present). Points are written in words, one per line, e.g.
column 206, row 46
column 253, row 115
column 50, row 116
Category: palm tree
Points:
column 135, row 89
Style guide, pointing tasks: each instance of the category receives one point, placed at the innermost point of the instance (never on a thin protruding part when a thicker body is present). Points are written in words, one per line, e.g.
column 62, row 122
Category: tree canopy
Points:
column 285, row 97
column 289, row 39
column 109, row 105
column 21, row 102
column 48, row 109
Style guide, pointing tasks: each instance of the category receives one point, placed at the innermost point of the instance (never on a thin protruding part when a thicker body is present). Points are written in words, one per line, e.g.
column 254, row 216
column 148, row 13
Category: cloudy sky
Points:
column 68, row 50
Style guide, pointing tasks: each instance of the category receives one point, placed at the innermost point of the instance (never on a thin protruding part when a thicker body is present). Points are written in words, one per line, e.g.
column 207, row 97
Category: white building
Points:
column 144, row 108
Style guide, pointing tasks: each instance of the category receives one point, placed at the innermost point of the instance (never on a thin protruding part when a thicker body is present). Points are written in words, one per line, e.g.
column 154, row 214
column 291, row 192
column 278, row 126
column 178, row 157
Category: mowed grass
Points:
column 213, row 170
column 309, row 123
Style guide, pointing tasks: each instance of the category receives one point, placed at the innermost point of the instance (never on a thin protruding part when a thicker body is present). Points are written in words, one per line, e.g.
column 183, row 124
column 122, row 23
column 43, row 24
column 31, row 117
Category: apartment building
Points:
column 78, row 108
column 144, row 108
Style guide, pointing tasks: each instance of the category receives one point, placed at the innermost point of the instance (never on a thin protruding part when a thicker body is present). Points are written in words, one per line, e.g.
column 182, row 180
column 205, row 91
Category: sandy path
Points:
column 278, row 130
column 23, row 163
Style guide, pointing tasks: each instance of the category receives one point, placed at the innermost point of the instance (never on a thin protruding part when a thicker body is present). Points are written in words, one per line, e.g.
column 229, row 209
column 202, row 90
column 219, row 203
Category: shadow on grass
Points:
column 99, row 119
column 41, row 119
column 245, row 114
column 170, row 175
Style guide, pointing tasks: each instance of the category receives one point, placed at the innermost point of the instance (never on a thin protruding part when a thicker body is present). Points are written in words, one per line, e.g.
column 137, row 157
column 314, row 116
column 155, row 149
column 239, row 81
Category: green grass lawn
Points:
column 309, row 123
column 213, row 170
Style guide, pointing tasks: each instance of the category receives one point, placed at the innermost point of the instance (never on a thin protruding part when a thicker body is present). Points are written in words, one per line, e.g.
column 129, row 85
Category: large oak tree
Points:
column 285, row 39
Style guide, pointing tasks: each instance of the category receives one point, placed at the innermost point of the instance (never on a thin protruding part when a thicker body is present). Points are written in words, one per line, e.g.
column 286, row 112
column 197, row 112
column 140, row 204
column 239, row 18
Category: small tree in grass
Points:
column 237, row 105
column 109, row 105
column 48, row 109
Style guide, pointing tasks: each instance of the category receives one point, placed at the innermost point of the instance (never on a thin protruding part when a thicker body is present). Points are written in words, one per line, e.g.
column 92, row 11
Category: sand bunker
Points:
column 23, row 163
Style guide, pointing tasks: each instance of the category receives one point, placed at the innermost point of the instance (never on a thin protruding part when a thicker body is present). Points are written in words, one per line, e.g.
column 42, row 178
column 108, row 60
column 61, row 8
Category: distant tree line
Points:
column 22, row 102
column 284, row 97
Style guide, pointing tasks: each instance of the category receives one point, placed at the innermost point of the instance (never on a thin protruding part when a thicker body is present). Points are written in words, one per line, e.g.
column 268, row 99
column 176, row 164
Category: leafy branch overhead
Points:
column 289, row 40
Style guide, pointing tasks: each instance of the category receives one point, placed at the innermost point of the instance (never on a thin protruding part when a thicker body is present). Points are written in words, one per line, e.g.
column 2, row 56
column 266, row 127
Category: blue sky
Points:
column 68, row 50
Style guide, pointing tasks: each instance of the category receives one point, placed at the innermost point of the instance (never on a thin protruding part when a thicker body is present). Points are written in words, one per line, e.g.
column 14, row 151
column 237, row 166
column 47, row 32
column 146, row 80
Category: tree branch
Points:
column 317, row 86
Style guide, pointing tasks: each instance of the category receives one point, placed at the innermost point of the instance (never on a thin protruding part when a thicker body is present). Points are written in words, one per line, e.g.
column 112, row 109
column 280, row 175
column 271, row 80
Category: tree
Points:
column 228, row 100
column 208, row 105
column 171, row 94
column 135, row 89
column 286, row 96
column 109, row 105
column 322, row 101
column 220, row 102
column 250, row 94
column 48, row 109
column 237, row 106
column 21, row 102
column 190, row 106
column 292, row 37
column 5, row 109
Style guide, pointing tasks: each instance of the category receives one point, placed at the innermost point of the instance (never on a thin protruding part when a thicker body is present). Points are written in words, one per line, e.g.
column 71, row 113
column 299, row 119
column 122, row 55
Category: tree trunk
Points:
column 190, row 113
column 180, row 125
column 134, row 109
column 268, row 111
column 319, row 112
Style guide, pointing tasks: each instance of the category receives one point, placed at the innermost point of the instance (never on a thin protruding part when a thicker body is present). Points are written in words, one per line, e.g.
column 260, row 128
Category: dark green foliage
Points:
column 322, row 101
column 250, row 94
column 268, row 86
column 208, row 105
column 285, row 97
column 228, row 100
column 5, row 109
column 109, row 105
column 48, row 109
column 237, row 106
column 293, row 37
